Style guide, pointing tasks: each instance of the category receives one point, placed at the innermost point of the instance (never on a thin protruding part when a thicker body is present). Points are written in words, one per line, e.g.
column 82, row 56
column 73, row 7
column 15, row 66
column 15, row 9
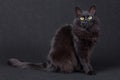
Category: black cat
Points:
column 71, row 46
column 85, row 32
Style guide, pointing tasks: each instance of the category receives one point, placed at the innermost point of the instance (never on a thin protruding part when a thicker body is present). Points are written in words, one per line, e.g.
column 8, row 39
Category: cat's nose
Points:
column 84, row 23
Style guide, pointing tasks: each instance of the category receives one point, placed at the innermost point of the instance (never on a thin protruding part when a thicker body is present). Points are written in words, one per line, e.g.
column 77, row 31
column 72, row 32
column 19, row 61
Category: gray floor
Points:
column 11, row 73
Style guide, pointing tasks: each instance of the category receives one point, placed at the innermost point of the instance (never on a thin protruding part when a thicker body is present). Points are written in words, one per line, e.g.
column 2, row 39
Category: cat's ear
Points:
column 78, row 11
column 92, row 10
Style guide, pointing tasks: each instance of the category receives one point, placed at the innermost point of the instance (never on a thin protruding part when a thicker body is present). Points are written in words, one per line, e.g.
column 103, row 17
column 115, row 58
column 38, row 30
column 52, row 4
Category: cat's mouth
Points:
column 84, row 26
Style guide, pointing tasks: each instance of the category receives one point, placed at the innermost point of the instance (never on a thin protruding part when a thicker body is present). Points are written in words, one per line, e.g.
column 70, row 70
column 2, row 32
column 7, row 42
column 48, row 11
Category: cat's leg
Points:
column 84, row 58
column 62, row 67
column 85, row 65
column 92, row 71
column 70, row 64
column 65, row 66
column 52, row 68
column 85, row 61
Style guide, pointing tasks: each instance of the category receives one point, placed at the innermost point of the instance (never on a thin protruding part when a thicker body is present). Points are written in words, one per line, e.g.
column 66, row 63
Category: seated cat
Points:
column 71, row 46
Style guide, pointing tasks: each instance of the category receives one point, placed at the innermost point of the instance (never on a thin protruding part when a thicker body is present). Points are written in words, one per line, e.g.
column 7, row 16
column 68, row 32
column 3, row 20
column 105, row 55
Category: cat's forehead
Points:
column 85, row 13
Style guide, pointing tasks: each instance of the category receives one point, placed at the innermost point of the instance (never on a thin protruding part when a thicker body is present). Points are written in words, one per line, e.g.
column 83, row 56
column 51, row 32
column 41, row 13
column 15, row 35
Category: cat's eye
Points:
column 90, row 17
column 82, row 18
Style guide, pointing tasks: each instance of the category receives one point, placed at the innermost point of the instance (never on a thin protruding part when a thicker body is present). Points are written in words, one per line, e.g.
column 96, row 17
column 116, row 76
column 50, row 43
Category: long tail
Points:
column 17, row 63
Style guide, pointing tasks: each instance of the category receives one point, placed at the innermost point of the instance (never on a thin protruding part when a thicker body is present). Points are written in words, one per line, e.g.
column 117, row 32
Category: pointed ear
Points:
column 92, row 10
column 78, row 11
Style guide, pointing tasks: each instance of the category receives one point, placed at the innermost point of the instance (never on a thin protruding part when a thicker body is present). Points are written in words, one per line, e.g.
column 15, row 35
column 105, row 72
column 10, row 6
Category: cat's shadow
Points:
column 106, row 66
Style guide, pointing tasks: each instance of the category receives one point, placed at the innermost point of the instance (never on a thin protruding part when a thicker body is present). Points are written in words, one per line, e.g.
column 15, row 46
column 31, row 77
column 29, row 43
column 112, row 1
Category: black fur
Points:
column 71, row 45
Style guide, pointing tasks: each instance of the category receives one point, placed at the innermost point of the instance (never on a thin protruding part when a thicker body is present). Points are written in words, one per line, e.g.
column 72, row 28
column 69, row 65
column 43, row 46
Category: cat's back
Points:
column 62, row 44
column 64, row 30
column 63, row 35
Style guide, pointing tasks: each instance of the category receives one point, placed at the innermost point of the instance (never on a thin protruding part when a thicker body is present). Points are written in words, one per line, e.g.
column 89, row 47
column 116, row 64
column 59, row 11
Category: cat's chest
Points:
column 85, row 42
column 85, row 38
column 89, row 34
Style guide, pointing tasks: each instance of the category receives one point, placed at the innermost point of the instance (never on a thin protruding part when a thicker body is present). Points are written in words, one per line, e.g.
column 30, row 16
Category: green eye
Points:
column 82, row 18
column 90, row 17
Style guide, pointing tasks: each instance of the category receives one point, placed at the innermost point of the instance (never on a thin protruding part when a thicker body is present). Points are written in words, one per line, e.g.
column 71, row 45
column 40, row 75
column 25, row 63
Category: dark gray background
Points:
column 27, row 26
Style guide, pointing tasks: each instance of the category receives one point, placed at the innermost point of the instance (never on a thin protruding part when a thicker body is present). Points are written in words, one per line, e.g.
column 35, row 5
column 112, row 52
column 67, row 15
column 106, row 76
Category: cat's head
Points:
column 86, row 18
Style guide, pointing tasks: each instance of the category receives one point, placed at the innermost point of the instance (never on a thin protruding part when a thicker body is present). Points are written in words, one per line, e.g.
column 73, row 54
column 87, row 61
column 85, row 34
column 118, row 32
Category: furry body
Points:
column 71, row 45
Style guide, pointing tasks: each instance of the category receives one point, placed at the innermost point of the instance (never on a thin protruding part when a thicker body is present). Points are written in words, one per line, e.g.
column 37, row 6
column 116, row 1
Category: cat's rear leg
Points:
column 53, row 68
column 67, row 68
column 63, row 66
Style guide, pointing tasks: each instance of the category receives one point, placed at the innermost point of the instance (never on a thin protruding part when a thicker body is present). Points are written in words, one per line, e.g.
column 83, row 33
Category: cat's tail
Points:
column 17, row 63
